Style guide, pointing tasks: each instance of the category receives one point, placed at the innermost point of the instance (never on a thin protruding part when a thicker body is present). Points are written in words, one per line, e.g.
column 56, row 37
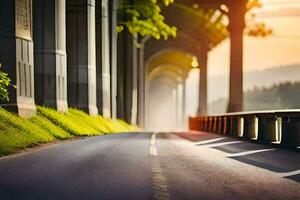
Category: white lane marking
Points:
column 153, row 148
column 209, row 141
column 221, row 144
column 153, row 139
column 153, row 151
column 160, row 182
column 248, row 152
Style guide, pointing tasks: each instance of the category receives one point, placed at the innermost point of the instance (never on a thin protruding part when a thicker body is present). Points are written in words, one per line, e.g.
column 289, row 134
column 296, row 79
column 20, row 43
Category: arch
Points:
column 169, row 57
column 168, row 70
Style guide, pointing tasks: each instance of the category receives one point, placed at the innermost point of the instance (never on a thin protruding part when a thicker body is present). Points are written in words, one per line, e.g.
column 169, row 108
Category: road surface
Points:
column 153, row 166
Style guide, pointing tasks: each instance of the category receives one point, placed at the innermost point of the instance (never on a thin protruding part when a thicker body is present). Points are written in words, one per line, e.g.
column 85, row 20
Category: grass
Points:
column 50, row 125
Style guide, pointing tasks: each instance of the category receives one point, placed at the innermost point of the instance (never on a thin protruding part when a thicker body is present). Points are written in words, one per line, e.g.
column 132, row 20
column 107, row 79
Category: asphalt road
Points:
column 153, row 166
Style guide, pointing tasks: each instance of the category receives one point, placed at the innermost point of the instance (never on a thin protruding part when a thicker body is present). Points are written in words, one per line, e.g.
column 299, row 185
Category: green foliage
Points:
column 88, row 120
column 17, row 133
column 4, row 84
column 51, row 128
column 68, row 122
column 78, row 123
column 282, row 96
column 144, row 17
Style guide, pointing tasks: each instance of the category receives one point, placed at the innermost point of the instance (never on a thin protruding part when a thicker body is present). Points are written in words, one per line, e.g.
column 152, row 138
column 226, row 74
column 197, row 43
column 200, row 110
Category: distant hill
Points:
column 280, row 96
column 218, row 85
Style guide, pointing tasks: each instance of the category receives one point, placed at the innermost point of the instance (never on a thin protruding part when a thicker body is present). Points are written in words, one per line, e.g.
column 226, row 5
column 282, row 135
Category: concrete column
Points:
column 141, row 83
column 179, row 106
column 147, row 102
column 134, row 107
column 105, row 55
column 175, row 110
column 99, row 58
column 16, row 54
column 126, row 64
column 237, row 23
column 141, row 87
column 202, row 59
column 113, row 4
column 50, row 53
column 81, row 48
column 184, row 118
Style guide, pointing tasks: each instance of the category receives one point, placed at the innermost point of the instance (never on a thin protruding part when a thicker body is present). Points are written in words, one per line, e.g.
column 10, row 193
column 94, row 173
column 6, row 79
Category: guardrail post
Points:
column 237, row 126
column 290, row 131
column 215, row 125
column 206, row 123
column 268, row 129
column 211, row 124
column 225, row 125
column 201, row 121
column 250, row 127
column 240, row 130
column 220, row 125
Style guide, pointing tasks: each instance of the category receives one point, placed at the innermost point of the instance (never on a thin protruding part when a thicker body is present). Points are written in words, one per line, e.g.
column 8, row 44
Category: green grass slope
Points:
column 49, row 125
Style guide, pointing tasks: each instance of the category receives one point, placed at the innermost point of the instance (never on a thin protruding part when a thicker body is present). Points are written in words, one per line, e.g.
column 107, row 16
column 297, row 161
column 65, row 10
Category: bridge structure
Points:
column 67, row 53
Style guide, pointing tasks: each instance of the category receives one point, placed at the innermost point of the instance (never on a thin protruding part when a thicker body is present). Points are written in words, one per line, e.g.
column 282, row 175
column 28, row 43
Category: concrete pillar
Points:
column 147, row 102
column 126, row 64
column 134, row 107
column 113, row 5
column 141, row 83
column 179, row 106
column 236, row 26
column 81, row 48
column 141, row 87
column 175, row 110
column 99, row 58
column 184, row 117
column 50, row 53
column 202, row 59
column 105, row 59
column 16, row 54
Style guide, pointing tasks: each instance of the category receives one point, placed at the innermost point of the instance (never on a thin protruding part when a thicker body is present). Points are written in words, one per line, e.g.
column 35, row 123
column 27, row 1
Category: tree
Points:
column 255, row 28
column 144, row 17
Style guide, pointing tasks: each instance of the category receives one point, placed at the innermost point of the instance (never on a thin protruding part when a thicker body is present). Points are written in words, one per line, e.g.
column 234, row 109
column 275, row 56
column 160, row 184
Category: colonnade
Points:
column 62, row 53
column 66, row 53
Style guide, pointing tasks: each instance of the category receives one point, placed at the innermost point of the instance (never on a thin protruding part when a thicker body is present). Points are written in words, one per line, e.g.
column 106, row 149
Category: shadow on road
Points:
column 281, row 161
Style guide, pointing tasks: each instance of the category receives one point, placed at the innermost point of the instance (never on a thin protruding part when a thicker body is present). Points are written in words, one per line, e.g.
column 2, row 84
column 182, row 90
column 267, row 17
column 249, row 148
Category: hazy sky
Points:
column 283, row 16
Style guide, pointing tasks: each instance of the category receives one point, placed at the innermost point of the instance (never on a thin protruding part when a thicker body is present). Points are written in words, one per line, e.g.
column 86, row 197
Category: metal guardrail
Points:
column 280, row 127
